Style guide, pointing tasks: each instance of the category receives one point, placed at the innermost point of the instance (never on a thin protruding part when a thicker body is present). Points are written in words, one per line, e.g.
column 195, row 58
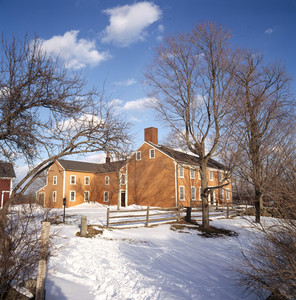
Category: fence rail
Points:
column 153, row 215
column 169, row 214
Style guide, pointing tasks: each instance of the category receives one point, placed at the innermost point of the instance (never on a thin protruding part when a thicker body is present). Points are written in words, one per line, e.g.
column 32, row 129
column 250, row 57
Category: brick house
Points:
column 154, row 175
column 6, row 176
column 79, row 182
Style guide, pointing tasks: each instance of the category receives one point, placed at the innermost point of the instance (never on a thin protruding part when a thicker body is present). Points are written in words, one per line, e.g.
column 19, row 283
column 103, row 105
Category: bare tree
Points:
column 270, row 264
column 191, row 82
column 47, row 113
column 20, row 248
column 261, row 113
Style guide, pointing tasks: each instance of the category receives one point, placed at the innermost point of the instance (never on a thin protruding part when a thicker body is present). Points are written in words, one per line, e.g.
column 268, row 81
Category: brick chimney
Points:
column 108, row 158
column 151, row 135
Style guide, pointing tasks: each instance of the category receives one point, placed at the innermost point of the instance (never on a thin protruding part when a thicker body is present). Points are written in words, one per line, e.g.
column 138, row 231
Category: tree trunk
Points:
column 258, row 205
column 204, row 196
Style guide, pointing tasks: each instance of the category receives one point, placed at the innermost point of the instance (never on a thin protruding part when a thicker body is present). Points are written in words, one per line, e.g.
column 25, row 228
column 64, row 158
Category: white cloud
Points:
column 268, row 31
column 77, row 53
column 96, row 158
column 128, row 22
column 139, row 104
column 127, row 82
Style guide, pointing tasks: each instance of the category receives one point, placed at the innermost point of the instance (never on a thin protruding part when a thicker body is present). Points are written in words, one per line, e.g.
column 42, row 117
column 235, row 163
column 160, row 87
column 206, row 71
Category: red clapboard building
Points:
column 6, row 176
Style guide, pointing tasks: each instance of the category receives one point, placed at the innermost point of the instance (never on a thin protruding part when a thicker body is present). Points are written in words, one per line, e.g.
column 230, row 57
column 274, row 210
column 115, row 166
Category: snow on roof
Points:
column 6, row 170
column 71, row 165
column 183, row 157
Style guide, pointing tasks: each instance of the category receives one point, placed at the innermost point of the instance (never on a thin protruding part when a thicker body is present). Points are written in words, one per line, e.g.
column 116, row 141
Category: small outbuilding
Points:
column 6, row 176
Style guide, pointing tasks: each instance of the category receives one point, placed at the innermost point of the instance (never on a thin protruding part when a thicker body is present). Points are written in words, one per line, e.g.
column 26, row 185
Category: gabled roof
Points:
column 185, row 158
column 80, row 166
column 6, row 170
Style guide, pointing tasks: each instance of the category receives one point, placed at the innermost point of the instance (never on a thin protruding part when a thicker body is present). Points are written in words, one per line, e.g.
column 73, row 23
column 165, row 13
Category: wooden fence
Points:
column 143, row 216
column 155, row 215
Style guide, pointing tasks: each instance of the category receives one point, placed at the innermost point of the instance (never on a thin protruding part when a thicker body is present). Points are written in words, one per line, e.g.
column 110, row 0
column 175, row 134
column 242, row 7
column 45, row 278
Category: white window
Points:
column 138, row 155
column 86, row 196
column 123, row 179
column 72, row 179
column 86, row 180
column 199, row 177
column 106, row 180
column 181, row 172
column 220, row 176
column 193, row 193
column 200, row 193
column 192, row 174
column 181, row 193
column 54, row 196
column 54, row 180
column 211, row 175
column 227, row 194
column 152, row 153
column 221, row 193
column 72, row 196
column 106, row 196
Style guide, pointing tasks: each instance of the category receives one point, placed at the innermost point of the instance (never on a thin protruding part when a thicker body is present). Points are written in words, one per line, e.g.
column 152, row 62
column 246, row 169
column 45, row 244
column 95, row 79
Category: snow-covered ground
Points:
column 143, row 263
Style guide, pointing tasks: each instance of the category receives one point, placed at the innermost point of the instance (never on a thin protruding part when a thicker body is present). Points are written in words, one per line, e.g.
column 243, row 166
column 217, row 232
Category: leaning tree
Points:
column 46, row 112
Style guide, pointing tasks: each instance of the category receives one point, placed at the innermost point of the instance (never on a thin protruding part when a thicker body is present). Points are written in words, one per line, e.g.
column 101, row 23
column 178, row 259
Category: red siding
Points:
column 4, row 190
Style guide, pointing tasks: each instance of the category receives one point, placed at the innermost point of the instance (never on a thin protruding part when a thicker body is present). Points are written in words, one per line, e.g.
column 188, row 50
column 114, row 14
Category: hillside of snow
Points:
column 143, row 263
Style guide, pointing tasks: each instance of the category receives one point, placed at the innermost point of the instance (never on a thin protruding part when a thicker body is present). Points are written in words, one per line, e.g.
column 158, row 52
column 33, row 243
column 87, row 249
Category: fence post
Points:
column 40, row 285
column 147, row 217
column 178, row 214
column 83, row 228
column 188, row 214
column 227, row 211
column 108, row 217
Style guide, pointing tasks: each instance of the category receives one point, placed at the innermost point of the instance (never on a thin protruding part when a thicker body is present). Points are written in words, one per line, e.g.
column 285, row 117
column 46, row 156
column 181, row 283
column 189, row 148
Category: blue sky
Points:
column 113, row 40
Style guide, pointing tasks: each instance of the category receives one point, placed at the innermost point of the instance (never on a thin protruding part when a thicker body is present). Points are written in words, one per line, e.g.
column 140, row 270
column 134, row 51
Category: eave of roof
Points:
column 185, row 158
column 79, row 166
column 6, row 170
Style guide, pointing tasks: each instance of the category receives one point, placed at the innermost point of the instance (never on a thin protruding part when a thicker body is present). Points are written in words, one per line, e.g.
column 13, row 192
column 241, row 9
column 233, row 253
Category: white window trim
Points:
column 211, row 172
column 193, row 187
column 138, row 153
column 106, row 193
column 107, row 180
column 227, row 192
column 181, row 187
column 199, row 177
column 85, row 183
column 54, row 196
column 199, row 193
column 74, row 196
column 220, row 176
column 72, row 176
column 150, row 155
column 86, row 192
column 192, row 174
column 221, row 194
column 123, row 176
column 181, row 174
column 55, row 180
